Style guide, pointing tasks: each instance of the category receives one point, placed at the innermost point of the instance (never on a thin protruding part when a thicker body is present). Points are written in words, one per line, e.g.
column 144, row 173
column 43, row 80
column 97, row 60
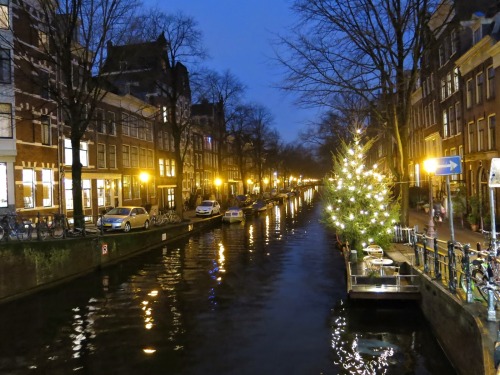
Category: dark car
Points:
column 243, row 200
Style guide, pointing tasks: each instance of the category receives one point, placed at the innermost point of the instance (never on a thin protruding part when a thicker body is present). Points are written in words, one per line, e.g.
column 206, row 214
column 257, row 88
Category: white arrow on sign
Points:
column 451, row 165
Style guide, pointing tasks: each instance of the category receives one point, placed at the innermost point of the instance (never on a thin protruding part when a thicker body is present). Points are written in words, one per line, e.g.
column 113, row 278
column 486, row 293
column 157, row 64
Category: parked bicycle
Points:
column 13, row 226
column 54, row 227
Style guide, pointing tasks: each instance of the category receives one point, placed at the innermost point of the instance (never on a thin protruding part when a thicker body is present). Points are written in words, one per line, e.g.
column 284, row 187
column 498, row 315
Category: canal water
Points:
column 263, row 297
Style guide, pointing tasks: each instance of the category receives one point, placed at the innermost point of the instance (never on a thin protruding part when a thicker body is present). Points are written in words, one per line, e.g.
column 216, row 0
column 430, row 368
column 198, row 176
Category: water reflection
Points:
column 213, row 304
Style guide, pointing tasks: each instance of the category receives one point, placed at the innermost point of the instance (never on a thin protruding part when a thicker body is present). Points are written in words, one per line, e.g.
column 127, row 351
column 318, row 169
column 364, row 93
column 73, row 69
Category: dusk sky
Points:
column 237, row 35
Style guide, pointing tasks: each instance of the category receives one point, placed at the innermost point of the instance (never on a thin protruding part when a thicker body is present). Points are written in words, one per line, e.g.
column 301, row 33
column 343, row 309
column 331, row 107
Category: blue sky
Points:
column 237, row 35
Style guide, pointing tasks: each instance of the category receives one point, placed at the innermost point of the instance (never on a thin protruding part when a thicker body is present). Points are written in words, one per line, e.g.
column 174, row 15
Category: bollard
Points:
column 426, row 266
column 466, row 270
column 437, row 272
column 451, row 268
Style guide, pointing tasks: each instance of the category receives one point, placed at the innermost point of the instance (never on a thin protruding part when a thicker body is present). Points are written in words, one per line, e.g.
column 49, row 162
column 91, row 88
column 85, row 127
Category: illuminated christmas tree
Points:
column 358, row 200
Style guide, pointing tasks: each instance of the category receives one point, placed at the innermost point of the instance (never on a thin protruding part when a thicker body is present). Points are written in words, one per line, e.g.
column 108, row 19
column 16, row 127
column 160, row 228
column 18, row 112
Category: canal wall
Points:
column 30, row 266
column 460, row 328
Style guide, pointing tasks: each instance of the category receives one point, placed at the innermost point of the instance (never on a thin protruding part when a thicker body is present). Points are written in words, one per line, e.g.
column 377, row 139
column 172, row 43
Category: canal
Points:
column 263, row 297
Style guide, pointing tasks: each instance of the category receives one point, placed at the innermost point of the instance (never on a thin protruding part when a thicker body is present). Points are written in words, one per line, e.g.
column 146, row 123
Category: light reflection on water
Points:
column 261, row 297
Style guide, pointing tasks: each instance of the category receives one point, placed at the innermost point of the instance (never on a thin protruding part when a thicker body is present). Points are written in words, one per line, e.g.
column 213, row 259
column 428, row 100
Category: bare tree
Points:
column 65, row 50
column 369, row 47
column 183, row 46
column 225, row 92
column 262, row 138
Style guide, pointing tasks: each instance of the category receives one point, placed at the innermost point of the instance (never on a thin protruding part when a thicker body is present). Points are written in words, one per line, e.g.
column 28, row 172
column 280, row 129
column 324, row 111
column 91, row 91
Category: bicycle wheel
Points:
column 23, row 232
column 57, row 231
column 479, row 280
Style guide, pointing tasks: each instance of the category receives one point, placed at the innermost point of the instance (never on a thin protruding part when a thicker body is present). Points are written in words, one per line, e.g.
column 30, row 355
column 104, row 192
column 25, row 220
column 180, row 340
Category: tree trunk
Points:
column 76, row 177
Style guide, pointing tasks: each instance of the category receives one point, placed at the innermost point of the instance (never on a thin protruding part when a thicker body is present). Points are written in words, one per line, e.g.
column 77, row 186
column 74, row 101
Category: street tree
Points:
column 262, row 138
column 358, row 200
column 63, row 59
column 371, row 48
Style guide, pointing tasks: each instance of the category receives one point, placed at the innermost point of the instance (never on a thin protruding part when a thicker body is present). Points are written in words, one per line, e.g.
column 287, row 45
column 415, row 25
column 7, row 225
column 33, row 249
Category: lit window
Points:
column 86, row 193
column 29, row 188
column 112, row 156
column 3, row 185
column 45, row 130
column 68, row 153
column 47, row 187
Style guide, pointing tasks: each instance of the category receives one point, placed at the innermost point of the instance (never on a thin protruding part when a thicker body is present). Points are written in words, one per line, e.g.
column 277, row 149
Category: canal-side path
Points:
column 453, row 299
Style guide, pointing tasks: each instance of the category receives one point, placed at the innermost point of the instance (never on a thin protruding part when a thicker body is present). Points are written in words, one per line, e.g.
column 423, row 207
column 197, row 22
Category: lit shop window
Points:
column 47, row 187
column 29, row 188
column 3, row 185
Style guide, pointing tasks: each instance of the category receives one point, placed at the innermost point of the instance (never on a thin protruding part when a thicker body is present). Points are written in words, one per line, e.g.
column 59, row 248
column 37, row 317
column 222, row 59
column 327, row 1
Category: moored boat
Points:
column 233, row 215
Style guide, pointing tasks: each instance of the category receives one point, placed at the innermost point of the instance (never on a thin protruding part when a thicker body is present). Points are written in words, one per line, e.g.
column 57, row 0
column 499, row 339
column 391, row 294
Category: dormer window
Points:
column 477, row 35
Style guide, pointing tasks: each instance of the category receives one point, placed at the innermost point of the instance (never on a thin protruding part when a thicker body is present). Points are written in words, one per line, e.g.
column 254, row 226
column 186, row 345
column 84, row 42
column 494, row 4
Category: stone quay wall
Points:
column 30, row 266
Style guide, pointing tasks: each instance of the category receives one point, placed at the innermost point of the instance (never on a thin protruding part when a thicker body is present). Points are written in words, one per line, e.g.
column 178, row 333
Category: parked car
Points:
column 243, row 200
column 208, row 208
column 125, row 218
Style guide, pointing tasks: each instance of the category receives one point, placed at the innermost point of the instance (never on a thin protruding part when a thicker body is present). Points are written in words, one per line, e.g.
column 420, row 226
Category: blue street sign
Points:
column 448, row 165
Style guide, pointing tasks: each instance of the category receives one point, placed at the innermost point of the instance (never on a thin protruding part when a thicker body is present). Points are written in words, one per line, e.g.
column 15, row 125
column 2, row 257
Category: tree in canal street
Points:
column 359, row 202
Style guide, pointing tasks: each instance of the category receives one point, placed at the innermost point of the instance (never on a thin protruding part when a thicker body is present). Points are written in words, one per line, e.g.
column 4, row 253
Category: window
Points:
column 3, row 185
column 44, row 84
column 150, row 162
column 165, row 114
column 443, row 89
column 446, row 132
column 491, row 133
column 479, row 87
column 101, row 155
column 110, row 123
column 469, row 93
column 167, row 168
column 133, row 126
column 134, row 157
column 141, row 130
column 160, row 140
column 441, row 55
column 490, row 84
column 127, row 192
column 5, row 120
column 481, row 133
column 451, row 121
column 472, row 148
column 5, row 65
column 125, row 124
column 149, row 131
column 4, row 14
column 136, row 187
column 68, row 153
column 161, row 167
column 456, row 82
column 142, row 158
column 68, row 193
column 458, row 117
column 126, row 156
column 29, row 188
column 477, row 35
column 112, row 156
column 454, row 42
column 100, row 193
column 86, row 193
column 45, row 120
column 47, row 187
column 43, row 40
column 99, row 121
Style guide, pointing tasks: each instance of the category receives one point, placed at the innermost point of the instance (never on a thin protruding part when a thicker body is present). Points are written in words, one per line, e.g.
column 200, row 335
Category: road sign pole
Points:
column 450, row 209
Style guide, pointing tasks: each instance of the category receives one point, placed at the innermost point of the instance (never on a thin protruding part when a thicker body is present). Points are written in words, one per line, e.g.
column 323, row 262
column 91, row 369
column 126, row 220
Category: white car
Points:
column 125, row 218
column 208, row 208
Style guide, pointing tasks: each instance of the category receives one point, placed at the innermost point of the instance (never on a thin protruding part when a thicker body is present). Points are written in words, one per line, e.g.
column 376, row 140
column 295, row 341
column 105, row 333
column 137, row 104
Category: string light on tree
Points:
column 359, row 204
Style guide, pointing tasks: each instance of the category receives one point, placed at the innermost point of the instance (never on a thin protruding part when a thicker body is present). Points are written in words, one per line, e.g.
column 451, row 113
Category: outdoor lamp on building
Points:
column 430, row 166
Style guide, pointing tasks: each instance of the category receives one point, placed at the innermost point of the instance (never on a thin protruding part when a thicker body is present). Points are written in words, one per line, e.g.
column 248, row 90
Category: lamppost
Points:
column 430, row 166
column 218, row 182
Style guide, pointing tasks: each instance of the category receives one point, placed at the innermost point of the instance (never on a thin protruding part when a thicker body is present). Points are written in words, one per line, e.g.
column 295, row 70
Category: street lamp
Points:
column 218, row 182
column 430, row 166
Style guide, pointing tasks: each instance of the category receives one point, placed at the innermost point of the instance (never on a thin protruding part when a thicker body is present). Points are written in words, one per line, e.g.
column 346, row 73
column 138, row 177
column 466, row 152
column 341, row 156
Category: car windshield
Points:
column 207, row 204
column 119, row 211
